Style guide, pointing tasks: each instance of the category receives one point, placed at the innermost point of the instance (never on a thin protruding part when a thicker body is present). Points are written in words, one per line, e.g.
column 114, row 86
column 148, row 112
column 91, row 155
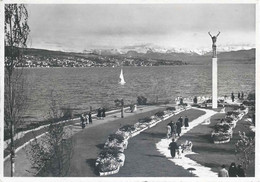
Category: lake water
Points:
column 80, row 88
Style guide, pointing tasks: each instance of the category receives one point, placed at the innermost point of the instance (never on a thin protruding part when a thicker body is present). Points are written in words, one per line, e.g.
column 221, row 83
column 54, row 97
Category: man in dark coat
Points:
column 195, row 100
column 181, row 121
column 242, row 95
column 232, row 97
column 99, row 111
column 232, row 171
column 179, row 125
column 90, row 117
column 103, row 113
column 173, row 146
column 238, row 95
column 186, row 122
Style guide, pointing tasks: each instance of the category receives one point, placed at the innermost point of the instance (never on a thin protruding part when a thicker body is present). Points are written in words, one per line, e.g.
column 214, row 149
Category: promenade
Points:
column 143, row 158
column 96, row 134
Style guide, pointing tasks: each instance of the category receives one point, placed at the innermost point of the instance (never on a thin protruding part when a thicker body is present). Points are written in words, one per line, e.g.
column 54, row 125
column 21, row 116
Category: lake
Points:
column 80, row 88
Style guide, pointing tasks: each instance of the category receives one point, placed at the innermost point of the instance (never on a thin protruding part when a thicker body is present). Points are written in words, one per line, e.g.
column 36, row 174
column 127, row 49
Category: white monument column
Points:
column 214, row 71
column 214, row 82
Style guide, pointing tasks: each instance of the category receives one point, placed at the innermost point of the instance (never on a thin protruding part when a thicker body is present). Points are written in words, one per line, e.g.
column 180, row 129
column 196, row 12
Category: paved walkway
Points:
column 185, row 162
column 144, row 160
column 91, row 137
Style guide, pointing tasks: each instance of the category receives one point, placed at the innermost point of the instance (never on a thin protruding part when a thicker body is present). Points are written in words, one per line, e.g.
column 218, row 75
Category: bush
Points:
column 242, row 107
column 249, row 103
column 127, row 128
column 141, row 100
column 118, row 138
column 229, row 113
column 221, row 128
column 109, row 152
column 229, row 119
column 170, row 108
column 118, row 102
column 251, row 96
column 67, row 113
column 145, row 120
column 159, row 114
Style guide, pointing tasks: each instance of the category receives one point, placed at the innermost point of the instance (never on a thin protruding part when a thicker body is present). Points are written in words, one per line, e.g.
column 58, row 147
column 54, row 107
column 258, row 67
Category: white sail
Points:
column 122, row 81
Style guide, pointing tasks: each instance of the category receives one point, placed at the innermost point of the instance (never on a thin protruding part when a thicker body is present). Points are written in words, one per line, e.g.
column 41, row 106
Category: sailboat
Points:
column 122, row 80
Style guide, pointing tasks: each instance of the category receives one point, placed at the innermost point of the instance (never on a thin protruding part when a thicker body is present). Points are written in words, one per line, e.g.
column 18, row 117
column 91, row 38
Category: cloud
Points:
column 92, row 25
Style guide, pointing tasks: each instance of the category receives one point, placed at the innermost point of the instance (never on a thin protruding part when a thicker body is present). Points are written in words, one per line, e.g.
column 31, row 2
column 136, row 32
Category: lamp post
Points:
column 122, row 108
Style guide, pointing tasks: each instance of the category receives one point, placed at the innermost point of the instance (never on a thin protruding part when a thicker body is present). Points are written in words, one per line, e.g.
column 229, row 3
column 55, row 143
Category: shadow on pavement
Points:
column 91, row 163
column 155, row 156
column 100, row 146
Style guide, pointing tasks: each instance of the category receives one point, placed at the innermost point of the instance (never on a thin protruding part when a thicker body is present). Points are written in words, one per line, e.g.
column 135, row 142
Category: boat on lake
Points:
column 122, row 80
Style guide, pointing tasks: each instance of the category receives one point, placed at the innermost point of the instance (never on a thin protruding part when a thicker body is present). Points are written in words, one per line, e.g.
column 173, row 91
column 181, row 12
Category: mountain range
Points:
column 245, row 55
column 150, row 48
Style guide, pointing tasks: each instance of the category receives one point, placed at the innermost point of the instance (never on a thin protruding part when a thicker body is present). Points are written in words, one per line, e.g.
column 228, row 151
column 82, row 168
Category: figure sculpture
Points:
column 214, row 47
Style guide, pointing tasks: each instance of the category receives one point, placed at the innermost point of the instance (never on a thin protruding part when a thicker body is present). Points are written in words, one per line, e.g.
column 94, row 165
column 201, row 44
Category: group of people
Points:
column 239, row 96
column 85, row 118
column 101, row 113
column 174, row 128
column 233, row 171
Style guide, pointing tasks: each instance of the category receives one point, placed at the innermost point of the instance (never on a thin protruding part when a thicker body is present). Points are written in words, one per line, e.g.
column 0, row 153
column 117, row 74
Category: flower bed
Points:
column 111, row 158
column 223, row 131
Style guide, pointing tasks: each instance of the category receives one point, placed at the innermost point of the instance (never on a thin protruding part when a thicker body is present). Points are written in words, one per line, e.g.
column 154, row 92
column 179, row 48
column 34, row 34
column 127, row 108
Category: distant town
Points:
column 45, row 58
column 90, row 61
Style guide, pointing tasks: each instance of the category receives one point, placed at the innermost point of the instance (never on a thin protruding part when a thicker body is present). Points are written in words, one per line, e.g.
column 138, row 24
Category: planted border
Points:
column 111, row 158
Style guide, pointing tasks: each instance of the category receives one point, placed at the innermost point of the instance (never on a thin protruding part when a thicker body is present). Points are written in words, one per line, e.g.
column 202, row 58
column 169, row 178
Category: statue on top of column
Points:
column 214, row 47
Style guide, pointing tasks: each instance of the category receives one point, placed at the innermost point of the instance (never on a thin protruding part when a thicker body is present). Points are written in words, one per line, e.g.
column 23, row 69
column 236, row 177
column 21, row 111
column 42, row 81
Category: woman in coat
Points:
column 186, row 122
column 179, row 125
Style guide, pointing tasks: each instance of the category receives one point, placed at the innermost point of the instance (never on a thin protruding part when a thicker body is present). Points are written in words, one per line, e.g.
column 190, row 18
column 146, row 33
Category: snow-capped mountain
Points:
column 151, row 48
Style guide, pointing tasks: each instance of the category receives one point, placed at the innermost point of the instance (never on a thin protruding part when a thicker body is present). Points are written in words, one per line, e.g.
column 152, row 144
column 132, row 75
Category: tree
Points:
column 16, row 34
column 50, row 154
column 245, row 149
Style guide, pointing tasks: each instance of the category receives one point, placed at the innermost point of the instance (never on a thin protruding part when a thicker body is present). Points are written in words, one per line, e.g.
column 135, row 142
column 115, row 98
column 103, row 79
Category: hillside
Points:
column 241, row 56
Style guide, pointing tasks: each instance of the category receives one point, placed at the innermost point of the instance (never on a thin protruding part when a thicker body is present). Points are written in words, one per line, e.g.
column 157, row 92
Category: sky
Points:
column 104, row 26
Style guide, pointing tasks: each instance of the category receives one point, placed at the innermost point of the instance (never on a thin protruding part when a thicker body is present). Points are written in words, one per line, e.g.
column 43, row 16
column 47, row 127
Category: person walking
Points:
column 170, row 124
column 86, row 118
column 173, row 146
column 168, row 131
column 232, row 97
column 90, row 117
column 195, row 100
column 242, row 95
column 174, row 130
column 223, row 172
column 179, row 125
column 180, row 120
column 240, row 171
column 99, row 113
column 238, row 95
column 82, row 121
column 186, row 122
column 181, row 101
column 103, row 113
column 232, row 171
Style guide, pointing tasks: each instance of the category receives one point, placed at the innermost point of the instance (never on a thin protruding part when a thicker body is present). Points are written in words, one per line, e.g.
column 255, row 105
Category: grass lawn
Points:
column 214, row 155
